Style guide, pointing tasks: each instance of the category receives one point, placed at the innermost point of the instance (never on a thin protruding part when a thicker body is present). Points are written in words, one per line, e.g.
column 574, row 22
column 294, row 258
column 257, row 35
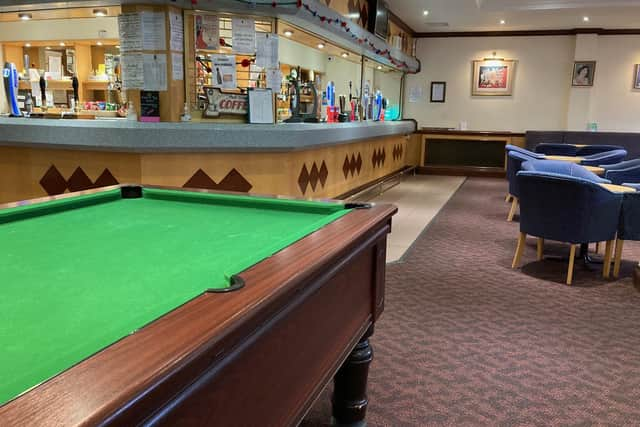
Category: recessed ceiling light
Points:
column 320, row 45
column 288, row 33
column 425, row 12
column 61, row 43
column 117, row 46
column 502, row 22
column 48, row 47
column 100, row 12
column 344, row 54
column 379, row 67
column 99, row 43
column 585, row 18
column 24, row 16
column 27, row 45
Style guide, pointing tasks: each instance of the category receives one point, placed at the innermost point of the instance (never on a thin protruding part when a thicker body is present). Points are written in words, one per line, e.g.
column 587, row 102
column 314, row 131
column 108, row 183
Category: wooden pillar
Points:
column 172, row 99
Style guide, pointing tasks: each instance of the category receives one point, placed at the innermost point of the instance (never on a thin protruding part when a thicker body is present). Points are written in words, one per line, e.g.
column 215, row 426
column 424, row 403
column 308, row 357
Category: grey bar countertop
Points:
column 131, row 136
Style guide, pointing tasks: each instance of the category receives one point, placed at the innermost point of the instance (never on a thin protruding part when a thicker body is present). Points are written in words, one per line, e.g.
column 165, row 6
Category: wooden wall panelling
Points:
column 14, row 54
column 30, row 172
column 83, row 67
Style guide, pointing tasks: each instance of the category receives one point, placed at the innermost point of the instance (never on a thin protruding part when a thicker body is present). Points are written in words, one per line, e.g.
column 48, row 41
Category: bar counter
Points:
column 41, row 157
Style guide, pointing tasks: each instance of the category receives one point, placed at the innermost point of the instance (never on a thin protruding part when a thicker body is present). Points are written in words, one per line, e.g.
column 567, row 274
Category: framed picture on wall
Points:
column 584, row 73
column 636, row 77
column 438, row 91
column 493, row 77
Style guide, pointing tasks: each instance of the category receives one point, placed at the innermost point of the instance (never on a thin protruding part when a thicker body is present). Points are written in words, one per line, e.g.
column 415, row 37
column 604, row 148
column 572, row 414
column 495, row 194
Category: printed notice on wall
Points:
column 207, row 29
column 243, row 33
column 266, row 50
column 176, row 32
column 177, row 66
column 155, row 71
column 130, row 30
column 154, row 36
column 224, row 71
column 132, row 70
column 274, row 79
column 416, row 94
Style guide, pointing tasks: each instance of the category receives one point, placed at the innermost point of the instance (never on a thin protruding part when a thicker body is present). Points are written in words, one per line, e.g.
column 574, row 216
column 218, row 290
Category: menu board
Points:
column 149, row 106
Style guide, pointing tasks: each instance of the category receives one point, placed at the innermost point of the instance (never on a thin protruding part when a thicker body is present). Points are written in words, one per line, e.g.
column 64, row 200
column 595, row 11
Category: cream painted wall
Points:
column 541, row 89
column 293, row 53
column 615, row 105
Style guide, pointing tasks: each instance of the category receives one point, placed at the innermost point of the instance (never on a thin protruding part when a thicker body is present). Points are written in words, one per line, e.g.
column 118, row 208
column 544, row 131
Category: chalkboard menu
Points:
column 149, row 106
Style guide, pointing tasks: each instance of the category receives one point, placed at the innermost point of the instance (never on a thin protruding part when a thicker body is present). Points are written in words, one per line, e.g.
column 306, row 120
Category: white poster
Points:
column 176, row 32
column 132, row 70
column 267, row 50
column 155, row 71
column 274, row 79
column 224, row 71
column 130, row 30
column 243, row 33
column 207, row 32
column 416, row 94
column 154, row 36
column 177, row 66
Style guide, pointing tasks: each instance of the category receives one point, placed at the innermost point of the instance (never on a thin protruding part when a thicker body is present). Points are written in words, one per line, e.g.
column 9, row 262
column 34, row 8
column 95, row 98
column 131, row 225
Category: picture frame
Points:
column 583, row 73
column 493, row 77
column 438, row 92
column 636, row 77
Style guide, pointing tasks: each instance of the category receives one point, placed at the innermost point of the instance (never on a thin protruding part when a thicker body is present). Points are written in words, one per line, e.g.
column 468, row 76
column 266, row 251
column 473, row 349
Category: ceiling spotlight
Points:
column 585, row 19
column 425, row 12
column 48, row 47
column 288, row 33
column 379, row 67
column 100, row 12
column 502, row 22
column 344, row 54
column 27, row 45
column 320, row 45
column 25, row 16
column 117, row 46
column 61, row 43
column 99, row 43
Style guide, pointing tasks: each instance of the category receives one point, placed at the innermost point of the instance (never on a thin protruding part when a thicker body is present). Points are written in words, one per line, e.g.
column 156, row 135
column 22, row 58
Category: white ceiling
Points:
column 485, row 15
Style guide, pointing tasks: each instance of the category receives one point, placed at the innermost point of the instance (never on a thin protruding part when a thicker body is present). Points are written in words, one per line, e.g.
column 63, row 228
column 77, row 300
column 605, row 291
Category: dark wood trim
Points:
column 529, row 33
column 444, row 131
column 146, row 376
column 400, row 23
column 462, row 171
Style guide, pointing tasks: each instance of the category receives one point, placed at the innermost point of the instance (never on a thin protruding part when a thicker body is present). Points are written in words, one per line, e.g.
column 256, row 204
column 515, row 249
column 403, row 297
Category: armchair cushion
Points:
column 556, row 149
column 567, row 209
column 587, row 150
column 514, row 165
column 531, row 154
column 622, row 165
column 619, row 176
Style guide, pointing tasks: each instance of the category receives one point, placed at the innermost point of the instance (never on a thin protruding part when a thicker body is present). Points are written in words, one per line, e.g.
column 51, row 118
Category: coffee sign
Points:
column 225, row 103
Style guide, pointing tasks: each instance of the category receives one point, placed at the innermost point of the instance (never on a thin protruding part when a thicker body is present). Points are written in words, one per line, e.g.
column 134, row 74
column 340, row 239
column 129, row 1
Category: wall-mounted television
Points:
column 378, row 19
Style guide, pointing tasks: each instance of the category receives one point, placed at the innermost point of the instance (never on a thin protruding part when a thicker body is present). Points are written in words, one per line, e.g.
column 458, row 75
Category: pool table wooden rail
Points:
column 257, row 356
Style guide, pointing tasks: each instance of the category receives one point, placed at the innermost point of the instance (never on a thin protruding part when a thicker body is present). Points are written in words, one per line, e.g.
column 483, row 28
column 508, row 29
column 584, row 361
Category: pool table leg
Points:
column 350, row 385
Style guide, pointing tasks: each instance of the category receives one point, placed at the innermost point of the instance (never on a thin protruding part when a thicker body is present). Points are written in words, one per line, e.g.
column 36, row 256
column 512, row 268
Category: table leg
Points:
column 350, row 385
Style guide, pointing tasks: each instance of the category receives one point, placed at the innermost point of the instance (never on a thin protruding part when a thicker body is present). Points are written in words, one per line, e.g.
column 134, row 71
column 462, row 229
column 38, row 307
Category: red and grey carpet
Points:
column 466, row 341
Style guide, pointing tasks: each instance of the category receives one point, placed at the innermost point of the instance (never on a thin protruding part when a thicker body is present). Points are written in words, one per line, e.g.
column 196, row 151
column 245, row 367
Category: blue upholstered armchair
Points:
column 526, row 152
column 562, row 168
column 627, row 171
column 514, row 162
column 587, row 150
column 556, row 149
column 566, row 209
column 605, row 158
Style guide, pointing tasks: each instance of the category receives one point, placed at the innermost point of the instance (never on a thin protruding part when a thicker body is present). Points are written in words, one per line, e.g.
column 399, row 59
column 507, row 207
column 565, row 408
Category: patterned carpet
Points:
column 466, row 341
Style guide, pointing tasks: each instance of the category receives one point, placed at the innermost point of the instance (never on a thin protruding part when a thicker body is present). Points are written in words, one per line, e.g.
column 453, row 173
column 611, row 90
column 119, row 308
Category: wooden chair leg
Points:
column 572, row 257
column 508, row 198
column 606, row 263
column 519, row 249
column 540, row 248
column 617, row 258
column 512, row 211
column 597, row 247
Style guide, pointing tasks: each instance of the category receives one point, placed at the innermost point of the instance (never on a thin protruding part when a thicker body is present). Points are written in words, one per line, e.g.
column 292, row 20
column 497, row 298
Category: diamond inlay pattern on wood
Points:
column 316, row 175
column 233, row 181
column 54, row 183
column 378, row 157
column 397, row 151
column 352, row 165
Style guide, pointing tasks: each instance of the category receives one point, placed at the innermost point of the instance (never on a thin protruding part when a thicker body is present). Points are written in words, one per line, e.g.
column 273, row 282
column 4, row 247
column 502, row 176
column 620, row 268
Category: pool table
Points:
column 145, row 305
